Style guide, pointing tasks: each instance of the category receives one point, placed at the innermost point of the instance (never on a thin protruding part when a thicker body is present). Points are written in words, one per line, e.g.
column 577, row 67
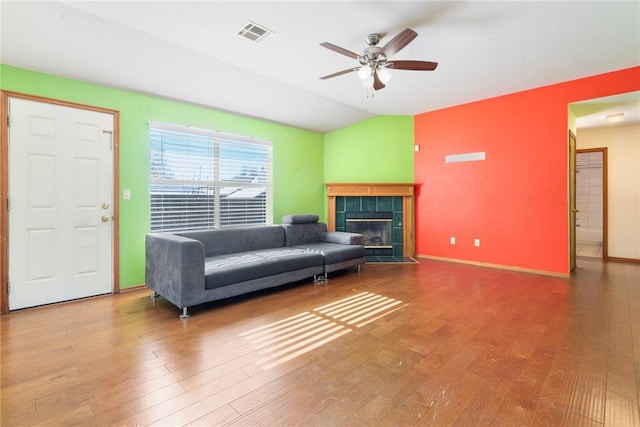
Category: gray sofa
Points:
column 193, row 267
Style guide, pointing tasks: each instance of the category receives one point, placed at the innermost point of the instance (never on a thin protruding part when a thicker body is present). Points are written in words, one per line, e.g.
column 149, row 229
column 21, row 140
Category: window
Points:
column 204, row 179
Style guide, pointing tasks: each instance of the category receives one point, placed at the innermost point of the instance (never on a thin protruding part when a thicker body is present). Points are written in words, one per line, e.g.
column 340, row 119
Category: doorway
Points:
column 61, row 223
column 591, row 203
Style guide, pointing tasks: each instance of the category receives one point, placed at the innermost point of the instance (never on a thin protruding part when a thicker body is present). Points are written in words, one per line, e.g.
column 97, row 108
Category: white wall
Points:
column 623, row 155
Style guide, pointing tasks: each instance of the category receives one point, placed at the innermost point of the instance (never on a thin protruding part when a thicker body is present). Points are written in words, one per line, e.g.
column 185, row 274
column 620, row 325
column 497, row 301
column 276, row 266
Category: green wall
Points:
column 297, row 154
column 379, row 149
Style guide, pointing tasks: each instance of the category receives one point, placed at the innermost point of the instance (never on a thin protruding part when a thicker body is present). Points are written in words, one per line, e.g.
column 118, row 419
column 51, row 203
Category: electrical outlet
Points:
column 126, row 194
column 476, row 243
column 453, row 240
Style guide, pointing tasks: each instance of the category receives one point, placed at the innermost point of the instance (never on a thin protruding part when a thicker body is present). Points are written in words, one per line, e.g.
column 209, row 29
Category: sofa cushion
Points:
column 238, row 239
column 300, row 219
column 223, row 270
column 335, row 253
column 302, row 234
column 343, row 238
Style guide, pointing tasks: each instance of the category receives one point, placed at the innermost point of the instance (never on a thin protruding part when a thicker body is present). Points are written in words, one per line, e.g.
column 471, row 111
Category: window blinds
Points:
column 204, row 179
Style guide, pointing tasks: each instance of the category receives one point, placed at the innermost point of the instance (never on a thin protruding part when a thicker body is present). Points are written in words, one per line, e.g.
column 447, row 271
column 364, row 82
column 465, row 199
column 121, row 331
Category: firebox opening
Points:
column 376, row 228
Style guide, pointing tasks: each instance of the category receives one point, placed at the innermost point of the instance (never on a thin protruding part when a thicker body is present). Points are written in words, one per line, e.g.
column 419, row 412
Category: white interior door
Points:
column 60, row 195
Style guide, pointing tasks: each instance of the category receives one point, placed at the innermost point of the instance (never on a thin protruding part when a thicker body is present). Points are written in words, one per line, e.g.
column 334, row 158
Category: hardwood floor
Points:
column 432, row 343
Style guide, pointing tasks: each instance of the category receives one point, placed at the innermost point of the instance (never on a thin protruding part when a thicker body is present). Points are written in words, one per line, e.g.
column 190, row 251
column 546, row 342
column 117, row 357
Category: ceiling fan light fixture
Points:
column 368, row 82
column 384, row 75
column 364, row 72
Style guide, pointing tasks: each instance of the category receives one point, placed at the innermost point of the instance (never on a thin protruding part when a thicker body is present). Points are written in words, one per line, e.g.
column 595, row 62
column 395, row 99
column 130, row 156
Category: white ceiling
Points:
column 189, row 51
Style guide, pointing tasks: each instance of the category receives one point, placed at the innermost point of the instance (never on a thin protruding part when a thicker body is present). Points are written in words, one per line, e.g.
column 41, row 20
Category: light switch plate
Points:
column 126, row 194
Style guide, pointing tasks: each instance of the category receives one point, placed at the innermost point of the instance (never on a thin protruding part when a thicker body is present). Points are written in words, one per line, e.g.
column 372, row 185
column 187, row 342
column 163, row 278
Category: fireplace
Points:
column 364, row 198
column 376, row 228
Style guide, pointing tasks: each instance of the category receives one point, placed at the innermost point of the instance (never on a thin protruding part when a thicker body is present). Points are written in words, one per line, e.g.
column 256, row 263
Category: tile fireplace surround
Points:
column 404, row 190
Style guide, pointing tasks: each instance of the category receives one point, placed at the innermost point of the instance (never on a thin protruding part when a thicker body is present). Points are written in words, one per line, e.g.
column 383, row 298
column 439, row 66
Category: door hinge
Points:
column 8, row 204
column 8, row 121
column 8, row 288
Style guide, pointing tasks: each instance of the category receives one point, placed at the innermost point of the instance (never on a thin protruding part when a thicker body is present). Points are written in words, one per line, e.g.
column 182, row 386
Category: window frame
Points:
column 213, row 183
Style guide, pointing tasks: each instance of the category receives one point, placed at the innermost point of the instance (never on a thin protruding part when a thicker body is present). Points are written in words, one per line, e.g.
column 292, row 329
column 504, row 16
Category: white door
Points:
column 60, row 195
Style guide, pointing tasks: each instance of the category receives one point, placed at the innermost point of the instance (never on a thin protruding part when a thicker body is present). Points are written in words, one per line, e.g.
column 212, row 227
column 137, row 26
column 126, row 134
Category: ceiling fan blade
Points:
column 398, row 43
column 413, row 65
column 377, row 83
column 339, row 73
column 340, row 50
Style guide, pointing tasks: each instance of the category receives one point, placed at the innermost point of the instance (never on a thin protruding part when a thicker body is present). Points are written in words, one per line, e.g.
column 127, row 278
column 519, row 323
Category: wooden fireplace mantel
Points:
column 383, row 189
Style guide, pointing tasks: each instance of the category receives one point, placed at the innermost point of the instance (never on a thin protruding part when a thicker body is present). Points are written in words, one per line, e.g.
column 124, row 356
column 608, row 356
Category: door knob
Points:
column 105, row 218
column 105, row 206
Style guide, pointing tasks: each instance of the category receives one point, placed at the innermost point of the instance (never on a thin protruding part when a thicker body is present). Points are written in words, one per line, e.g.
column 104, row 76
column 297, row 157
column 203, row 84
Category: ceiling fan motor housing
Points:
column 373, row 39
column 373, row 57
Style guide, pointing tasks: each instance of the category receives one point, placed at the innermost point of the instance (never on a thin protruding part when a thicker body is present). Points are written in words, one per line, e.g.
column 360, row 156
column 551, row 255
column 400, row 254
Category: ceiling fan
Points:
column 374, row 60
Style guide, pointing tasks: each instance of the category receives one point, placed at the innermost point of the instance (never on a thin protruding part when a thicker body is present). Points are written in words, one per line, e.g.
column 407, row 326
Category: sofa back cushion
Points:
column 302, row 234
column 243, row 239
column 300, row 219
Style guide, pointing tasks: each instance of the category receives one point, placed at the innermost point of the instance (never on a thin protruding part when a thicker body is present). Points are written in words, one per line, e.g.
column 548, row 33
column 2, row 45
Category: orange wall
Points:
column 515, row 201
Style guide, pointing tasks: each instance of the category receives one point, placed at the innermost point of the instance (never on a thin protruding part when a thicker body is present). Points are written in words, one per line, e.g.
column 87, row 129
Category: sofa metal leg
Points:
column 320, row 279
column 359, row 267
column 185, row 313
column 154, row 294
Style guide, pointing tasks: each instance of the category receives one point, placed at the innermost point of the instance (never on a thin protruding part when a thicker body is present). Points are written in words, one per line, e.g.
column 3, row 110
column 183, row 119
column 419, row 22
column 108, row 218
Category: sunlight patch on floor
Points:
column 359, row 309
column 286, row 339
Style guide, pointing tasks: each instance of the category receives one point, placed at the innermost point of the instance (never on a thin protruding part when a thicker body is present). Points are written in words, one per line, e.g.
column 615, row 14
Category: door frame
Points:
column 572, row 149
column 605, row 198
column 4, row 187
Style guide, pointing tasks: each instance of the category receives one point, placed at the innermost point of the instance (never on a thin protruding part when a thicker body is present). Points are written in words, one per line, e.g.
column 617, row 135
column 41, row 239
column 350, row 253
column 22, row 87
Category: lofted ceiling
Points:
column 190, row 51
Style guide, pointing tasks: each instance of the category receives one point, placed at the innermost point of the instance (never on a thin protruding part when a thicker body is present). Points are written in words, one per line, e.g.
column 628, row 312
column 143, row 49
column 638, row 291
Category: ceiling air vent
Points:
column 254, row 32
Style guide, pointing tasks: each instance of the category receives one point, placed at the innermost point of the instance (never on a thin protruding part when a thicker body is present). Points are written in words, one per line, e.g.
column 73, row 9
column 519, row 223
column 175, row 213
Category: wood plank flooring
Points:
column 433, row 343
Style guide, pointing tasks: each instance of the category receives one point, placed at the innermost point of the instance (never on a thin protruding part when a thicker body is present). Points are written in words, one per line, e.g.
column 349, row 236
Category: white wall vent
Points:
column 254, row 32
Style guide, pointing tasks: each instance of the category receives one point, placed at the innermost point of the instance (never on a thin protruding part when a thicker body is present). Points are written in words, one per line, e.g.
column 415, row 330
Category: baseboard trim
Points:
column 614, row 258
column 133, row 288
column 498, row 266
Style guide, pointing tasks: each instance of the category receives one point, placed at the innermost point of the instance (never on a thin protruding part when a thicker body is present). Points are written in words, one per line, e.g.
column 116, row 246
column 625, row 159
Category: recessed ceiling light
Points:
column 615, row 117
column 254, row 32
